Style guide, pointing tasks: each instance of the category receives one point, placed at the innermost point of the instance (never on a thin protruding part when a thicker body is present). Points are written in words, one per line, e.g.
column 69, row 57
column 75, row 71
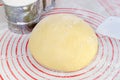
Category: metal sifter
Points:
column 23, row 15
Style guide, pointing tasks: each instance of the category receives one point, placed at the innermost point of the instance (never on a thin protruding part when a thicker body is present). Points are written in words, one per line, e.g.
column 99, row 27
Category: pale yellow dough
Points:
column 63, row 42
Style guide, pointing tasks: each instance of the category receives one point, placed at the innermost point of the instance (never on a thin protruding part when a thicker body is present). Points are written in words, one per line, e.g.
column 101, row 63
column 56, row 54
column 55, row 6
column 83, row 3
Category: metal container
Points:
column 22, row 19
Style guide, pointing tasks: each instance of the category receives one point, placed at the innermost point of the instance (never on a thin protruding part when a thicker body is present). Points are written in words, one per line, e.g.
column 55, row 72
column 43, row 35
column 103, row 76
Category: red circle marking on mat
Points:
column 1, row 54
column 3, row 35
column 1, row 78
column 96, row 64
column 8, row 65
column 27, row 42
column 107, row 66
column 117, row 2
column 116, row 60
column 116, row 75
column 20, row 63
column 1, row 4
column 88, row 11
column 118, row 51
column 1, row 38
column 71, row 13
column 67, row 10
column 107, row 4
column 13, row 62
column 27, row 65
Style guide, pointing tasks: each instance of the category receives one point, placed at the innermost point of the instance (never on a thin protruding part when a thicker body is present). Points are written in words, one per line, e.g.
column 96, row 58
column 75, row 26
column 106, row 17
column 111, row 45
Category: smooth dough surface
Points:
column 63, row 42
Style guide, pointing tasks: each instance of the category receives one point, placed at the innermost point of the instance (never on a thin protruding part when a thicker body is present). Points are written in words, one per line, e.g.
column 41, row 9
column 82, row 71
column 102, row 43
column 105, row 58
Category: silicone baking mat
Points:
column 111, row 6
column 16, row 62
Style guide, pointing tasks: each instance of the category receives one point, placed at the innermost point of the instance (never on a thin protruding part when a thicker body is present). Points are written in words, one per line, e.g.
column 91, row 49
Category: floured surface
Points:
column 110, row 27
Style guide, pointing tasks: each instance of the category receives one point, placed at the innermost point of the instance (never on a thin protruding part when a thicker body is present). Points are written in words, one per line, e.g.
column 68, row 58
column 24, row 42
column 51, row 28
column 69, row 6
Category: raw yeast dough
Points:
column 63, row 42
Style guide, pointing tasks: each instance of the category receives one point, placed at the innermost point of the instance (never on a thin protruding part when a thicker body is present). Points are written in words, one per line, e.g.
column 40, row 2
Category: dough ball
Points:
column 63, row 42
